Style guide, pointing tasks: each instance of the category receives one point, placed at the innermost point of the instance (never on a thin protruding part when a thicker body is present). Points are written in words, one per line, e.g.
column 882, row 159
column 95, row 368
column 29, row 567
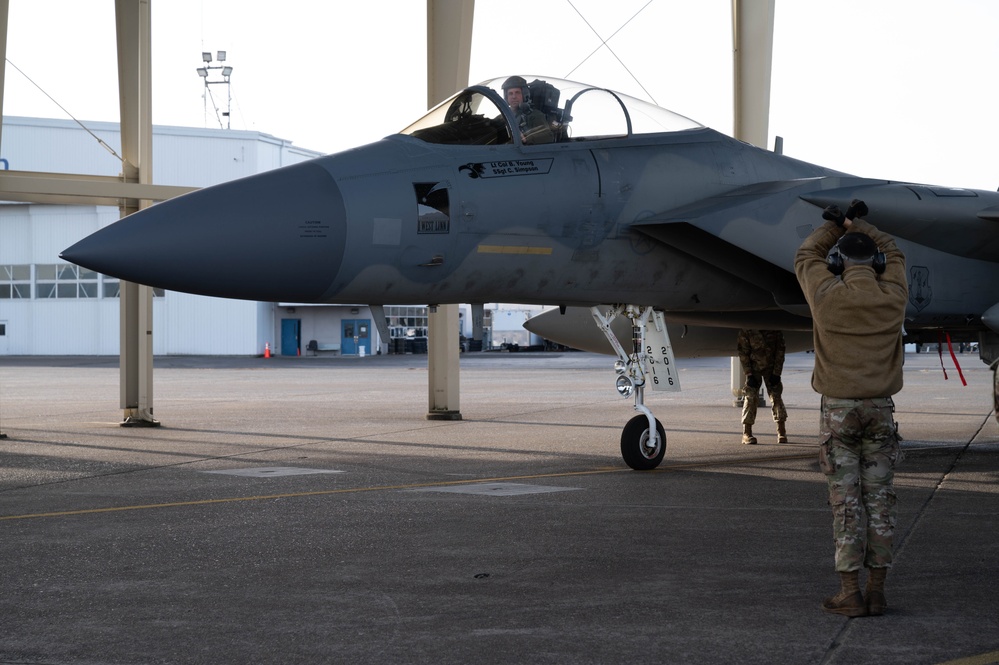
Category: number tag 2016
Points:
column 659, row 353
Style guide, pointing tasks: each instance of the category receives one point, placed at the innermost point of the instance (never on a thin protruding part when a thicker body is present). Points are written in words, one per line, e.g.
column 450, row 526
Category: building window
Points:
column 64, row 280
column 406, row 321
column 15, row 281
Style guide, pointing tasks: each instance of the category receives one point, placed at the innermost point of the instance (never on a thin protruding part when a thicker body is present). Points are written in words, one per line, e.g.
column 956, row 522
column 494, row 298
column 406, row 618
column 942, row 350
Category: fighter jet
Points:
column 638, row 215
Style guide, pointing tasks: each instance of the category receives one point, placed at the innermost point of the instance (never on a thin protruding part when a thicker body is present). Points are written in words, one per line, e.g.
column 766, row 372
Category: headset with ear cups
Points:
column 837, row 265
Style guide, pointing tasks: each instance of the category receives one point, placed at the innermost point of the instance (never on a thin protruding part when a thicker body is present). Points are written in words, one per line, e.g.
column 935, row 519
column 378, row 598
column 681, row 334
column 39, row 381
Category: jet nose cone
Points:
column 276, row 236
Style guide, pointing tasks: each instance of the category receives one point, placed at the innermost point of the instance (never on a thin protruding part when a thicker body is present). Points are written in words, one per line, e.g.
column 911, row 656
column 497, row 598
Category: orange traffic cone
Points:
column 267, row 349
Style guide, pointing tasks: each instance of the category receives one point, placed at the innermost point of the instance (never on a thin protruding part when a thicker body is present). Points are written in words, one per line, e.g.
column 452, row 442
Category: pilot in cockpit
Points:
column 534, row 127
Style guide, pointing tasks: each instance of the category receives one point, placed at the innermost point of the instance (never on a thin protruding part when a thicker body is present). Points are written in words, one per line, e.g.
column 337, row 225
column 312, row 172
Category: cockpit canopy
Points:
column 479, row 115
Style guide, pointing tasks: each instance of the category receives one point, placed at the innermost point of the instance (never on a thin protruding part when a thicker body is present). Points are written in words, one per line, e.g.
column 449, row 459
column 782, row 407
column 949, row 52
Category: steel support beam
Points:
column 4, row 12
column 449, row 50
column 63, row 189
column 752, row 50
column 133, row 29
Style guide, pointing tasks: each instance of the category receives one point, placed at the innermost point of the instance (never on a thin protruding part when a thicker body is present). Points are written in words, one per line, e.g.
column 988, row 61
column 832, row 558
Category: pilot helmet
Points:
column 518, row 82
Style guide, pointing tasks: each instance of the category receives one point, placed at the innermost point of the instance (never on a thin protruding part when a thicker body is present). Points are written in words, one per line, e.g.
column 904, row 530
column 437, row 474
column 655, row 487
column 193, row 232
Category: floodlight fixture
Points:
column 204, row 72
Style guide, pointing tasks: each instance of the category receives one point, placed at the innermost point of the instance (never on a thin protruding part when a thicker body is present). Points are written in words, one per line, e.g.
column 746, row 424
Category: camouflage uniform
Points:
column 858, row 452
column 761, row 353
column 534, row 127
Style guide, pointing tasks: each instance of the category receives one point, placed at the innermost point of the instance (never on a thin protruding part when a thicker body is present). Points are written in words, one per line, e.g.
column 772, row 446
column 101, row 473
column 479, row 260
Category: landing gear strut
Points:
column 643, row 440
column 995, row 388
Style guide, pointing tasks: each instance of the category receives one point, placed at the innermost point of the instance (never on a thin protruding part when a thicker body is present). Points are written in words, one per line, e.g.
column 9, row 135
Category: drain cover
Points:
column 271, row 471
column 497, row 489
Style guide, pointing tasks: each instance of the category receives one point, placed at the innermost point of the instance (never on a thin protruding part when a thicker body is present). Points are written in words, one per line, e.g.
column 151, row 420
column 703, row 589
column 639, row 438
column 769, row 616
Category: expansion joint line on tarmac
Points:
column 411, row 486
column 984, row 659
column 920, row 514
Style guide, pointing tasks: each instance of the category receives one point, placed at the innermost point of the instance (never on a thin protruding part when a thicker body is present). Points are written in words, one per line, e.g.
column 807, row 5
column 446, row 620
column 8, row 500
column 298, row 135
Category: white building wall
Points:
column 60, row 146
column 15, row 233
column 196, row 325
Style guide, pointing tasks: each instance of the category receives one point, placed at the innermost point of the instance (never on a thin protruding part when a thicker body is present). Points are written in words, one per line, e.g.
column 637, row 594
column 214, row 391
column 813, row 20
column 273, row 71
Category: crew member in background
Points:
column 853, row 277
column 761, row 353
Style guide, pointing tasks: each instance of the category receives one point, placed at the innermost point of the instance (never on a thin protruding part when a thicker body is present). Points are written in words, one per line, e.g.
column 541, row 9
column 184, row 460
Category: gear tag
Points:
column 659, row 354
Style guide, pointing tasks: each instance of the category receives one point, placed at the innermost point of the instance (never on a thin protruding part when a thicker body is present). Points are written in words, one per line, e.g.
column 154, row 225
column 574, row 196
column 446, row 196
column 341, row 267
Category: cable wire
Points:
column 87, row 129
column 603, row 43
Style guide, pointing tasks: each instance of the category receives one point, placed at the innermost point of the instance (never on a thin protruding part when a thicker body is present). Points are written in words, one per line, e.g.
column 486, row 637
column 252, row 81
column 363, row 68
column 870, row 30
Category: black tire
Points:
column 634, row 444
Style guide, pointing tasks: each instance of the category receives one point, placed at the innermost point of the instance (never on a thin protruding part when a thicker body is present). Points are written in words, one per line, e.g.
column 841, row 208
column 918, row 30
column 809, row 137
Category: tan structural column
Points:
column 449, row 48
column 752, row 48
column 443, row 363
column 4, row 12
column 133, row 27
column 753, row 44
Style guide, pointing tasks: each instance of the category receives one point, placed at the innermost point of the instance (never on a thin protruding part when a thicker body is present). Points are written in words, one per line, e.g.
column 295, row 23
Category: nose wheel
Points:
column 643, row 440
column 640, row 450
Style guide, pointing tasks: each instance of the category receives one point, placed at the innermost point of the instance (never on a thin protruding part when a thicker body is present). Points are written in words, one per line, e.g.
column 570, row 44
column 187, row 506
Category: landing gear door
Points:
column 659, row 352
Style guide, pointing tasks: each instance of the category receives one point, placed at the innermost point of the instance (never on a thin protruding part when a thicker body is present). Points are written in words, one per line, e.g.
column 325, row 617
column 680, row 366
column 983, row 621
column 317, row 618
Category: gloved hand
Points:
column 834, row 214
column 775, row 381
column 753, row 382
column 857, row 209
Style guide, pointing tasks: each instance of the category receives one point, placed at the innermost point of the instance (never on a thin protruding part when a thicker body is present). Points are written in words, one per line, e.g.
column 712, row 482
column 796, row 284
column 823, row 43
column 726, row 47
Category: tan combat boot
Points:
column 781, row 432
column 848, row 602
column 875, row 591
column 747, row 435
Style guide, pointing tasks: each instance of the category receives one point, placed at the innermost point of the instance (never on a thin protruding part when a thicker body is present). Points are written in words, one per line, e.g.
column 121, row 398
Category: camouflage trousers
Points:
column 858, row 452
column 752, row 400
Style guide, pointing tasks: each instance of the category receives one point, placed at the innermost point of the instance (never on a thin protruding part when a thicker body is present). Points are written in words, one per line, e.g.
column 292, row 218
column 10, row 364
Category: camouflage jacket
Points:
column 761, row 352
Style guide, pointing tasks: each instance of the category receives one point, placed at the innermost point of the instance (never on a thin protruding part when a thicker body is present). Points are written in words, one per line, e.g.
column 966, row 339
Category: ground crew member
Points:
column 761, row 353
column 855, row 286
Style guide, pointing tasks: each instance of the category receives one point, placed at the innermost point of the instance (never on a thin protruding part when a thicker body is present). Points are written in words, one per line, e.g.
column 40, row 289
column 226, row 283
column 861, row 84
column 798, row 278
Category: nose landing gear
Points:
column 643, row 440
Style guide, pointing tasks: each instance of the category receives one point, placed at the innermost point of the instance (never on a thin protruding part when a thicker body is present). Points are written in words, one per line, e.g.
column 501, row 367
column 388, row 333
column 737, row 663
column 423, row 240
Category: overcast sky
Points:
column 896, row 89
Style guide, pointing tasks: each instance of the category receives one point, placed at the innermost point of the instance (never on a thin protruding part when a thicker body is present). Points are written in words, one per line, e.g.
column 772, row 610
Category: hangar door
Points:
column 354, row 337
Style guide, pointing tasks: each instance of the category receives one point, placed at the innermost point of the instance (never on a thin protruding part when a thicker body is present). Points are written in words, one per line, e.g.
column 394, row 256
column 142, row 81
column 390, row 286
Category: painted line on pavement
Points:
column 386, row 488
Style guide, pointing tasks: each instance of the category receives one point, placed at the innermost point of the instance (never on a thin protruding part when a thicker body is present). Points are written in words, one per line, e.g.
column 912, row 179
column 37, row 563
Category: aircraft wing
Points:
column 953, row 220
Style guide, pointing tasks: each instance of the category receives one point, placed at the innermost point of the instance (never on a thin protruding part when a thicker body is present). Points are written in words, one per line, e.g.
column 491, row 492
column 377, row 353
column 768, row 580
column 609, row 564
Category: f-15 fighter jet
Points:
column 615, row 205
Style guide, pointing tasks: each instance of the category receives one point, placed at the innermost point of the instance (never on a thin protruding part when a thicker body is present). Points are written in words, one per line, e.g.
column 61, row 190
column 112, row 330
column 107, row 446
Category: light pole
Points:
column 203, row 72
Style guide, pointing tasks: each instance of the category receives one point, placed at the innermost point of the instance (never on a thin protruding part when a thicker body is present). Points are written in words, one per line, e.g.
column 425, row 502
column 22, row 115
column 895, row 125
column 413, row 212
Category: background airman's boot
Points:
column 848, row 602
column 747, row 435
column 875, row 591
column 781, row 432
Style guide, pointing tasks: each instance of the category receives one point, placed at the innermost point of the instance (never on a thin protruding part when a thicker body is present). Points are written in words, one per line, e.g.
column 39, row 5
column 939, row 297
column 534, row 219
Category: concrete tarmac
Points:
column 304, row 510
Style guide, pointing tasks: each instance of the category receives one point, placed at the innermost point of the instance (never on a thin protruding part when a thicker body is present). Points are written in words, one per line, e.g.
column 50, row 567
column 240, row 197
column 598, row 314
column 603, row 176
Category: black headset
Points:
column 837, row 265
